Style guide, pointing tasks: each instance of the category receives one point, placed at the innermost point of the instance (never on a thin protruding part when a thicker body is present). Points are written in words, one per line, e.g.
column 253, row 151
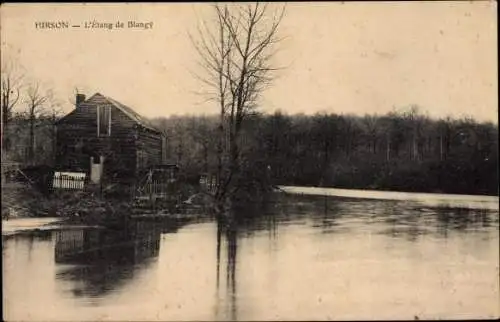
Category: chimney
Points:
column 80, row 98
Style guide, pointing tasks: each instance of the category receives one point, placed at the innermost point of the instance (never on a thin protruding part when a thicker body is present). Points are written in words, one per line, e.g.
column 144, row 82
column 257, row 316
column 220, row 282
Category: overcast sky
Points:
column 342, row 58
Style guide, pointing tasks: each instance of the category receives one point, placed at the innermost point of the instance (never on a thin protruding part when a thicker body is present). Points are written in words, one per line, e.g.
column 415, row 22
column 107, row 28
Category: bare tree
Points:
column 11, row 87
column 11, row 84
column 371, row 127
column 236, row 58
column 35, row 101
column 201, row 131
column 54, row 112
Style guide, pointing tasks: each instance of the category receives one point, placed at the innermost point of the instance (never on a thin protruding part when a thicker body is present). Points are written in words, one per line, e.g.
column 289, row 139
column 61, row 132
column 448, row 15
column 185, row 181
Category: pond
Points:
column 301, row 258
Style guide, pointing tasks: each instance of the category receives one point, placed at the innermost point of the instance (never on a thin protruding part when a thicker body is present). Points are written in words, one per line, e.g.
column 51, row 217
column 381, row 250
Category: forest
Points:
column 404, row 150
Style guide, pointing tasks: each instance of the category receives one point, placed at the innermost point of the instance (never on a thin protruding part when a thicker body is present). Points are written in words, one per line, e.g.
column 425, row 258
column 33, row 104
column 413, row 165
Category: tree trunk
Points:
column 205, row 157
column 415, row 147
column 31, row 151
column 388, row 149
column 441, row 148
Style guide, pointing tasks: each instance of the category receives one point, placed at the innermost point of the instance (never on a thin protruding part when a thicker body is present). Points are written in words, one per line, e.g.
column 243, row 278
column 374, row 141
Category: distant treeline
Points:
column 403, row 150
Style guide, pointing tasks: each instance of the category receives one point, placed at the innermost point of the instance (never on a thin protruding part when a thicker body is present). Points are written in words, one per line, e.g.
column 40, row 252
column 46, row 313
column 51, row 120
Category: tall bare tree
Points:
column 235, row 54
column 11, row 85
column 11, row 89
column 371, row 127
column 54, row 112
column 35, row 101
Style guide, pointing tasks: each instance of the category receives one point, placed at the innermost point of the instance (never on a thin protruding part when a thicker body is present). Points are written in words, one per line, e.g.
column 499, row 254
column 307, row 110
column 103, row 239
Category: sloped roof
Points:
column 132, row 114
column 122, row 107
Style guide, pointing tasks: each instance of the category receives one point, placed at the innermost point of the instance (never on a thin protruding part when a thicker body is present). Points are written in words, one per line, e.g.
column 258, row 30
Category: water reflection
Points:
column 97, row 261
column 300, row 258
column 395, row 218
column 462, row 218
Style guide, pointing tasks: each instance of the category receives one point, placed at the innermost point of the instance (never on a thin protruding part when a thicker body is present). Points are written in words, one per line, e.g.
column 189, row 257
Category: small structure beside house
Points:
column 158, row 183
column 208, row 182
column 107, row 141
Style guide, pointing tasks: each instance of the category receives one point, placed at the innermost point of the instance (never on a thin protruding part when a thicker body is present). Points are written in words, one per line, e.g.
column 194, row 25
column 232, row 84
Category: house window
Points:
column 103, row 121
column 142, row 159
column 79, row 146
column 139, row 159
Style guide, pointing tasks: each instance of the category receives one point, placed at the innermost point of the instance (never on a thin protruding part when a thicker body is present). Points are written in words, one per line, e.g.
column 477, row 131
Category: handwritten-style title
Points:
column 94, row 24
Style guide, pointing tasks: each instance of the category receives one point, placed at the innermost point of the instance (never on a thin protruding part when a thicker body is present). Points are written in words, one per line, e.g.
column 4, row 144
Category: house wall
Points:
column 77, row 141
column 129, row 149
column 149, row 148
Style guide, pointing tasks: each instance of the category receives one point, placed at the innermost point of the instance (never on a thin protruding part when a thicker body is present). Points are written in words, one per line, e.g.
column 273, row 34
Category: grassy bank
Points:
column 87, row 207
column 23, row 201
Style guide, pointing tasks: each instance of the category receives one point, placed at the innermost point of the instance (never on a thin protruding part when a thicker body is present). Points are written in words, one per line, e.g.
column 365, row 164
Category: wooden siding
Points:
column 149, row 148
column 77, row 140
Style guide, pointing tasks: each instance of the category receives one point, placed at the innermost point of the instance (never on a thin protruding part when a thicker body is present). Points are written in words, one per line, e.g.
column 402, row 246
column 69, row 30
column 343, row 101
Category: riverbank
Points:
column 18, row 225
column 25, row 208
column 428, row 199
column 43, row 224
column 23, row 201
column 20, row 200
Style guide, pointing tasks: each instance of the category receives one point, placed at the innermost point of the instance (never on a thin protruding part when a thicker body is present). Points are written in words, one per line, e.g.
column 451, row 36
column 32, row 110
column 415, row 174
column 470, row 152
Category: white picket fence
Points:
column 69, row 180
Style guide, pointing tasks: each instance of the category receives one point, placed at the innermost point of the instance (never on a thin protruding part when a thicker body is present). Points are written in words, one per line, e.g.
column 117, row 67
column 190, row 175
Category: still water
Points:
column 303, row 258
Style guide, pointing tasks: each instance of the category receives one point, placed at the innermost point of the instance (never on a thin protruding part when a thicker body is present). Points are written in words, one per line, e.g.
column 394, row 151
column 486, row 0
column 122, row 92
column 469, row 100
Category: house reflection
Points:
column 101, row 260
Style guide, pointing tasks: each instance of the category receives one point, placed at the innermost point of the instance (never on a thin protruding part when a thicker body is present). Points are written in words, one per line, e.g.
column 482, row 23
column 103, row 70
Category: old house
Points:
column 107, row 140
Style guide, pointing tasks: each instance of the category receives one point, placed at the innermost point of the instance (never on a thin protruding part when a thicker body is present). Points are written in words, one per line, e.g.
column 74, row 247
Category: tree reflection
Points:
column 227, row 235
column 461, row 219
column 243, row 222
column 328, row 214
column 411, row 220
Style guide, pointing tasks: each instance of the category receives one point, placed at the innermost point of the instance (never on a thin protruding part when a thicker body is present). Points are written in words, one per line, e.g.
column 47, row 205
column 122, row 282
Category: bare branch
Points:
column 236, row 56
column 11, row 85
